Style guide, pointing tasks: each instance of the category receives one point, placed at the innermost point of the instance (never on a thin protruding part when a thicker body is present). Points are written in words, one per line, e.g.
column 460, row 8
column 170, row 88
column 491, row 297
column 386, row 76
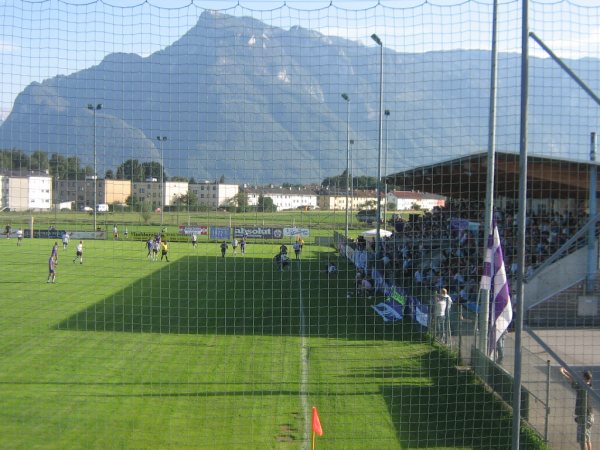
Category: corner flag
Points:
column 316, row 423
column 495, row 281
column 316, row 426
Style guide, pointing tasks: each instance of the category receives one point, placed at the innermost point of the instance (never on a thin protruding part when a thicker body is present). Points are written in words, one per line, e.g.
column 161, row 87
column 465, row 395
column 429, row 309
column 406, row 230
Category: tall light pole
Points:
column 94, row 109
column 378, row 235
column 386, row 115
column 161, row 140
column 351, row 141
column 347, row 99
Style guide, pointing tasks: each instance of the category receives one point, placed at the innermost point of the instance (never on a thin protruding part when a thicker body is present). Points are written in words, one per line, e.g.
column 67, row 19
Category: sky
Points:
column 40, row 39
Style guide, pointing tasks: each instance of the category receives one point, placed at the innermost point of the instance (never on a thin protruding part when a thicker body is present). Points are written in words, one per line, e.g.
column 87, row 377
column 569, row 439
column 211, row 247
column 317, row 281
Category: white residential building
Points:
column 357, row 200
column 81, row 192
column 214, row 195
column 150, row 191
column 284, row 198
column 405, row 200
column 22, row 192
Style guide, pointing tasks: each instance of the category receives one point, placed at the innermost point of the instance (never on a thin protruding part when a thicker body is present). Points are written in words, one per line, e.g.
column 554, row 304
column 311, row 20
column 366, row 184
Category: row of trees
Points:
column 56, row 165
column 341, row 182
column 70, row 167
column 190, row 202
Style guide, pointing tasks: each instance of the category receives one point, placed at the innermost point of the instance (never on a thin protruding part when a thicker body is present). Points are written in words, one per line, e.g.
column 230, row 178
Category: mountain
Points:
column 260, row 104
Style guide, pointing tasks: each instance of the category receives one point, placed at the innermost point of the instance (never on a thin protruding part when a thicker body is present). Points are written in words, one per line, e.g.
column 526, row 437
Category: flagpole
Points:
column 484, row 296
column 521, row 224
column 313, row 440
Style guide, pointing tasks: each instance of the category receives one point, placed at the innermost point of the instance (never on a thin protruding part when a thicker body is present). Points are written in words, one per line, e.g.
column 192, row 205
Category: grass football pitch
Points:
column 218, row 353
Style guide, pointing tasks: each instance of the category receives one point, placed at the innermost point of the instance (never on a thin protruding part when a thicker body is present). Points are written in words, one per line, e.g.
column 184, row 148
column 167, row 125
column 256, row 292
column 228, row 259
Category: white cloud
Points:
column 8, row 47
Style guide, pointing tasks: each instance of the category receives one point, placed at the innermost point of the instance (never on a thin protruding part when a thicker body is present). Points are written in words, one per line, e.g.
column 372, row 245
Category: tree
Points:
column 239, row 201
column 341, row 182
column 369, row 204
column 152, row 170
column 14, row 160
column 39, row 161
column 222, row 179
column 133, row 202
column 178, row 178
column 130, row 170
column 185, row 202
column 109, row 175
column 266, row 204
column 145, row 211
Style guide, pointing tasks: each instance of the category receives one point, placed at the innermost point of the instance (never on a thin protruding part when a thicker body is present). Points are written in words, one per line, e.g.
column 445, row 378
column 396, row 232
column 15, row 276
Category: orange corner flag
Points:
column 316, row 423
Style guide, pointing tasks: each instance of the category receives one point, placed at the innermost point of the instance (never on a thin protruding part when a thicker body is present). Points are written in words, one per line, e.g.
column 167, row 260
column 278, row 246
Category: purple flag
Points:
column 494, row 280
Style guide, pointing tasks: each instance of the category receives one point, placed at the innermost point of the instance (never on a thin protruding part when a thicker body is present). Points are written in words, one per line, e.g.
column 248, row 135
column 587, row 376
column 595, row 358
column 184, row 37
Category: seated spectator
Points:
column 358, row 279
column 367, row 287
column 331, row 268
column 418, row 277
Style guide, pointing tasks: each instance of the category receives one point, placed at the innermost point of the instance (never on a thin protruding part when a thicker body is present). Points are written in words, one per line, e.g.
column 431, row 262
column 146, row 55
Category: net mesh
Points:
column 209, row 177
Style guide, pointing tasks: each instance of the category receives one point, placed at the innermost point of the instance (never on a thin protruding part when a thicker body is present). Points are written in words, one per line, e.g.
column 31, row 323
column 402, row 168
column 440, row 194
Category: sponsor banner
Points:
column 45, row 234
column 74, row 235
column 220, row 233
column 198, row 230
column 421, row 314
column 294, row 231
column 258, row 232
column 145, row 235
column 58, row 234
column 388, row 312
column 397, row 296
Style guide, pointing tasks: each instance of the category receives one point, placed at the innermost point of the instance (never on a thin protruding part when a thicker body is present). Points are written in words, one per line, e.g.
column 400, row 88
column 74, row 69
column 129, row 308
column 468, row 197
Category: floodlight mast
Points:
column 347, row 99
column 94, row 109
column 161, row 140
column 378, row 234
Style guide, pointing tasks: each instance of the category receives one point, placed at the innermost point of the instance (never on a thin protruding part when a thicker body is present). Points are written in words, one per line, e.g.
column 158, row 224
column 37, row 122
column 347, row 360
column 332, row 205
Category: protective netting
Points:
column 212, row 176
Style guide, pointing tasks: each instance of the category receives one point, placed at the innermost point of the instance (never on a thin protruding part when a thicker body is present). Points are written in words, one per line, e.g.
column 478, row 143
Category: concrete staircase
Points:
column 570, row 307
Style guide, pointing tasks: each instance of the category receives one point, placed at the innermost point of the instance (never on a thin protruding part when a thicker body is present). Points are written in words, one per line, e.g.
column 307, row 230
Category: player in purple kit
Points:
column 54, row 254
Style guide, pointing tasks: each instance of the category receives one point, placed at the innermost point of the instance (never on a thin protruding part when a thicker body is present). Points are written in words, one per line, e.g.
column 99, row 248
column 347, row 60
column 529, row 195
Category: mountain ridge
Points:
column 260, row 104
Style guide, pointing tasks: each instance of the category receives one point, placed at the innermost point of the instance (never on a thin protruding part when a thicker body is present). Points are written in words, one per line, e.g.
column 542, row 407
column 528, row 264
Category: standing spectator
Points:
column 19, row 237
column 79, row 252
column 584, row 413
column 164, row 246
column 51, row 270
column 234, row 245
column 443, row 302
column 126, row 233
column 115, row 232
column 223, row 249
column 447, row 328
